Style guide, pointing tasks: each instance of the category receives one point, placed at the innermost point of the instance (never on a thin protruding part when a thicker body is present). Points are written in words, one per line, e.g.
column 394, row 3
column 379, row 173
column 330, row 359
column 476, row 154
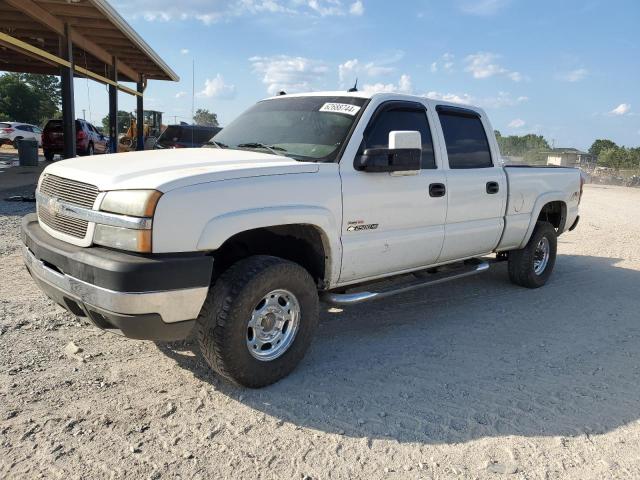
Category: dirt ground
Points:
column 472, row 379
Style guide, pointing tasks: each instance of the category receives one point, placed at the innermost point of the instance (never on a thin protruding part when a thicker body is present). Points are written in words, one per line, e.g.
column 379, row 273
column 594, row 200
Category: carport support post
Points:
column 68, row 110
column 113, row 107
column 140, row 116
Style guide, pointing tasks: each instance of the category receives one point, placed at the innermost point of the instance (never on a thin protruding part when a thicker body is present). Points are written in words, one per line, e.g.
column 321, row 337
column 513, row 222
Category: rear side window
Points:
column 402, row 119
column 466, row 141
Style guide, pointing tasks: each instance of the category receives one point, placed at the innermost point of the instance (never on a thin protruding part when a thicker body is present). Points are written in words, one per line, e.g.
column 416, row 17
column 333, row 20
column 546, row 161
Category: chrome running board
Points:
column 471, row 267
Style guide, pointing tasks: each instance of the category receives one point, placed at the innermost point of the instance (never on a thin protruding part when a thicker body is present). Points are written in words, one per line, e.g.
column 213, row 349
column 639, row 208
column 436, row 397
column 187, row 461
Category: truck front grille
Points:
column 63, row 224
column 70, row 191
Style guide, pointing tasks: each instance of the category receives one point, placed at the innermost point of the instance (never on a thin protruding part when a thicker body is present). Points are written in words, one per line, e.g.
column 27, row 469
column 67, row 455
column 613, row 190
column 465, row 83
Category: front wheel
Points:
column 258, row 320
column 532, row 266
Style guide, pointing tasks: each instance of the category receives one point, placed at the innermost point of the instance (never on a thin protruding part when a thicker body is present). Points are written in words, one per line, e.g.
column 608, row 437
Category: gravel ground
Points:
column 473, row 379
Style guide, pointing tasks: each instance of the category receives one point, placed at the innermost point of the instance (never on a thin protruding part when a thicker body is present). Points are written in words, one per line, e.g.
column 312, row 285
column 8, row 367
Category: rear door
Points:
column 390, row 221
column 476, row 184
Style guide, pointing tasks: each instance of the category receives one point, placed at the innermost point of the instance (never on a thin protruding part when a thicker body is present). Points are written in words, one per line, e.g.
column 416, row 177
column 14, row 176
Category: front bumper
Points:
column 155, row 297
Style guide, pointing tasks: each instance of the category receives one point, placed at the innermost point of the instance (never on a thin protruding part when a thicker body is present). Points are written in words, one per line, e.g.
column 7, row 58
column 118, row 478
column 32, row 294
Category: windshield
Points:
column 305, row 128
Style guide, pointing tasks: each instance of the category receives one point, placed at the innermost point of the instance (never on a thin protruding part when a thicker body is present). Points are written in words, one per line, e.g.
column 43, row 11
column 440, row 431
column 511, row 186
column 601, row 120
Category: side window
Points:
column 402, row 119
column 466, row 141
column 24, row 128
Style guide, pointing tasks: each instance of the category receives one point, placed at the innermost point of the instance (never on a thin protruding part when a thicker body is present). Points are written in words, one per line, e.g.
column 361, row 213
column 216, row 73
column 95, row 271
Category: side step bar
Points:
column 471, row 267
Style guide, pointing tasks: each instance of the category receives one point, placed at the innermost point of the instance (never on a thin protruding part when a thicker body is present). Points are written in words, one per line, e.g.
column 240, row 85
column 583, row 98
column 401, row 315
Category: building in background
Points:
column 571, row 157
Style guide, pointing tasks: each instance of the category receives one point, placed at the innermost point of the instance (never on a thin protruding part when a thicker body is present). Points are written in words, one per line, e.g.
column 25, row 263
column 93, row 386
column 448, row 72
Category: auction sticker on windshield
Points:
column 340, row 108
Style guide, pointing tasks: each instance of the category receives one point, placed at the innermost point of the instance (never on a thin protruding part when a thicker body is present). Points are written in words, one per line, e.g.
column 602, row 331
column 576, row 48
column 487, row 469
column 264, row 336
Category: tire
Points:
column 527, row 267
column 16, row 141
column 48, row 156
column 224, row 324
column 90, row 151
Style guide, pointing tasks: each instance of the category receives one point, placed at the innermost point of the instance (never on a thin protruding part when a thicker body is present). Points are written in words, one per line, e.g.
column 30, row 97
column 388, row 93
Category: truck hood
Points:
column 166, row 170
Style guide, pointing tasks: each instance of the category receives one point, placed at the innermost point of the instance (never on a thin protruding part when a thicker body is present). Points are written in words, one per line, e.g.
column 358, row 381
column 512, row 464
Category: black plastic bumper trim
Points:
column 117, row 270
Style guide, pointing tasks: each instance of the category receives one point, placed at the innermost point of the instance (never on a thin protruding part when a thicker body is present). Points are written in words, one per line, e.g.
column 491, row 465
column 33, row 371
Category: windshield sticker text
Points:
column 340, row 108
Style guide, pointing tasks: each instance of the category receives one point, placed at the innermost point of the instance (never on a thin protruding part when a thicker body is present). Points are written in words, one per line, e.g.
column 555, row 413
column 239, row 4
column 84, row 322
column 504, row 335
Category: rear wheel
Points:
column 16, row 141
column 90, row 149
column 258, row 320
column 532, row 266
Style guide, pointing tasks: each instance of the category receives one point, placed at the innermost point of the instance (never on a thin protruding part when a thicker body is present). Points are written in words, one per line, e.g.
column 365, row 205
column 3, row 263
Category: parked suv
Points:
column 185, row 136
column 88, row 139
column 13, row 132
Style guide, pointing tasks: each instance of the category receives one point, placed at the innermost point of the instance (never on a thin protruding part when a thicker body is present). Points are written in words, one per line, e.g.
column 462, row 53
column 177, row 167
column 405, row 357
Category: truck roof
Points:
column 382, row 95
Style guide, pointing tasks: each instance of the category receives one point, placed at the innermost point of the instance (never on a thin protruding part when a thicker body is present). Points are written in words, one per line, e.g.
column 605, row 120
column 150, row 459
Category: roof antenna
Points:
column 355, row 87
column 282, row 92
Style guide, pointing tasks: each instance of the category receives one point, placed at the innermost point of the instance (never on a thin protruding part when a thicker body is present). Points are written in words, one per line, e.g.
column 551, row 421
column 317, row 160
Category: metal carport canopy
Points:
column 78, row 38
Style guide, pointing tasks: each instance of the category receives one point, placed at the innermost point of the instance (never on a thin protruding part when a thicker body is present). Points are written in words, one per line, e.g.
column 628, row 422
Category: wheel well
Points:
column 302, row 244
column 555, row 213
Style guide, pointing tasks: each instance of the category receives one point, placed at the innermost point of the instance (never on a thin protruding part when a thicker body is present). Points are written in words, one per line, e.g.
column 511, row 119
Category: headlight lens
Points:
column 136, row 203
column 123, row 238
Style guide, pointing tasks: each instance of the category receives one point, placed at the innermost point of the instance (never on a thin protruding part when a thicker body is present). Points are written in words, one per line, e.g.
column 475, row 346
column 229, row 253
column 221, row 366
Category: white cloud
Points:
column 463, row 98
column 445, row 64
column 184, row 51
column 622, row 109
column 217, row 88
column 356, row 8
column 403, row 86
column 354, row 68
column 573, row 75
column 517, row 123
column 181, row 94
column 484, row 65
column 482, row 7
column 326, row 8
column 291, row 74
column 503, row 99
column 213, row 11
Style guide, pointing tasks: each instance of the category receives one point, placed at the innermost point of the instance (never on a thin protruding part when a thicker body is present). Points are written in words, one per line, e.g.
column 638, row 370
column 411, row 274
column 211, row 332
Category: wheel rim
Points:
column 541, row 256
column 273, row 325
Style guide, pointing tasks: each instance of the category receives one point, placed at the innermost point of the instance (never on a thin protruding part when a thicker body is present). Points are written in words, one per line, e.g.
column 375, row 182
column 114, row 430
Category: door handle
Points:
column 493, row 187
column 437, row 190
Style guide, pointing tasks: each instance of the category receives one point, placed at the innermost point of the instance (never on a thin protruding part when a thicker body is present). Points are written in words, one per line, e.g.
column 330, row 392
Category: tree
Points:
column 206, row 118
column 29, row 98
column 124, row 120
column 532, row 148
column 613, row 158
column 601, row 144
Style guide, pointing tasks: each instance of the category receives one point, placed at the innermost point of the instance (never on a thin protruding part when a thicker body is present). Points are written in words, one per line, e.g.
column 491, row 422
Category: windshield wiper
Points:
column 272, row 148
column 216, row 144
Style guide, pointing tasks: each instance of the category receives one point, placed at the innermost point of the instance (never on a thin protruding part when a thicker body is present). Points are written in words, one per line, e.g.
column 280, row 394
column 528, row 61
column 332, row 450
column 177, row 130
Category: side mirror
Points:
column 403, row 155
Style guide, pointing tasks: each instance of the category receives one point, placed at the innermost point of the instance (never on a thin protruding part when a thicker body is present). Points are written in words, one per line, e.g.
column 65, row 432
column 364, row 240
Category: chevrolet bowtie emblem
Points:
column 53, row 205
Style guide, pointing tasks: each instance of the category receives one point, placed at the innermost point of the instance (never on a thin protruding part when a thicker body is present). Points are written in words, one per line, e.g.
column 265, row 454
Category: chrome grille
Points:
column 70, row 191
column 62, row 223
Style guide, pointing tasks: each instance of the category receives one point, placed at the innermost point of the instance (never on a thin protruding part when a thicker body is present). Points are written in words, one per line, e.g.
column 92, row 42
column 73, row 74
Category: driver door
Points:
column 391, row 222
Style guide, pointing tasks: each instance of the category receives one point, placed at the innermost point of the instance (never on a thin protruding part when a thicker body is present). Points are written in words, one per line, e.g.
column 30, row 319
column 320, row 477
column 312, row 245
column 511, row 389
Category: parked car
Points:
column 318, row 196
column 13, row 132
column 88, row 139
column 185, row 136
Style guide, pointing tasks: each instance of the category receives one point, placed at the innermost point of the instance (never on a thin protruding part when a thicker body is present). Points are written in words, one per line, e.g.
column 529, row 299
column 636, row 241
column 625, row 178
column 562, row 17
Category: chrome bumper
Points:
column 171, row 305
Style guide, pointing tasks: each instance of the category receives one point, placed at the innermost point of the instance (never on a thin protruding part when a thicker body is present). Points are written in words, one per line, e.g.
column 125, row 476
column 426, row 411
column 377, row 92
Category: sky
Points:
column 562, row 69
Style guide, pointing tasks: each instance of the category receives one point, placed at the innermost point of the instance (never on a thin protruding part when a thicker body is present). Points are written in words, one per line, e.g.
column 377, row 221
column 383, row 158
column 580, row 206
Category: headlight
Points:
column 123, row 238
column 137, row 203
column 134, row 203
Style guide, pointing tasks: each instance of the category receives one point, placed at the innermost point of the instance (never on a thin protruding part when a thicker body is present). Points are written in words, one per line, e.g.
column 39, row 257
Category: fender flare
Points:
column 541, row 201
column 219, row 229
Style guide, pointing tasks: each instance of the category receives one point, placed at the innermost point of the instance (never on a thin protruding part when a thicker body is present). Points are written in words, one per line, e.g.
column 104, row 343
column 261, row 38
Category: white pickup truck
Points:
column 301, row 198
